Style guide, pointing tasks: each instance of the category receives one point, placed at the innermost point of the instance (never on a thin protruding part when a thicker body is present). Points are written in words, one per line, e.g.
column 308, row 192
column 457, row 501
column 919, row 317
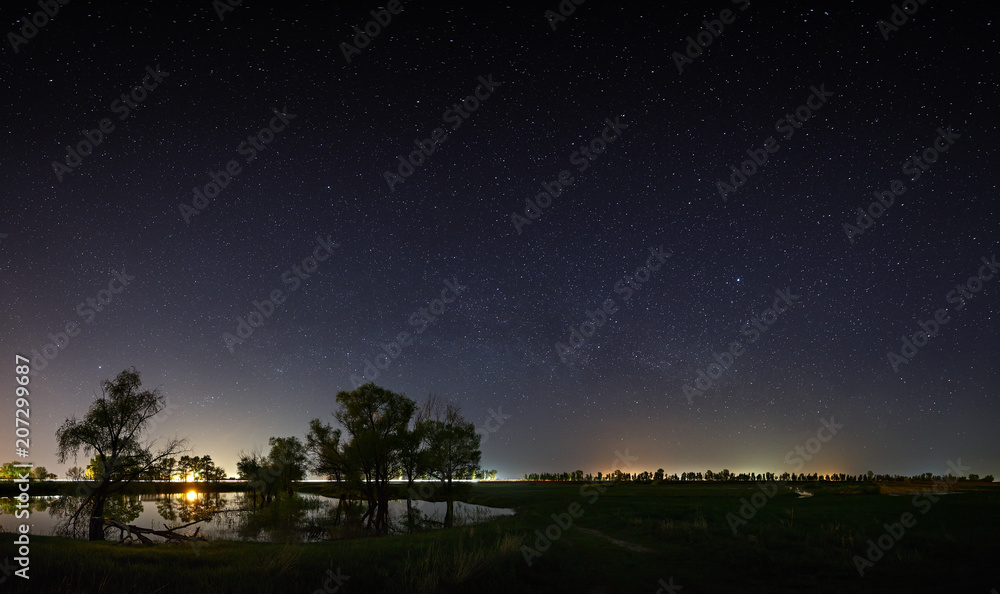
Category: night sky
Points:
column 490, row 301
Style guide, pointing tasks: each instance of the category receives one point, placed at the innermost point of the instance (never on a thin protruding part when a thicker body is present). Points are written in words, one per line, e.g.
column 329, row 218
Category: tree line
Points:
column 727, row 476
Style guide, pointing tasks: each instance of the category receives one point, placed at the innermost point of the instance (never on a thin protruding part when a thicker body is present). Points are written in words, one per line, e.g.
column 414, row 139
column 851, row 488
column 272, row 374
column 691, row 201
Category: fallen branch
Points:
column 130, row 532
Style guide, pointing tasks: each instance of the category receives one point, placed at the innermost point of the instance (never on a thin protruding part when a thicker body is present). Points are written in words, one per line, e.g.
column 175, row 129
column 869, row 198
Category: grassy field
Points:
column 629, row 538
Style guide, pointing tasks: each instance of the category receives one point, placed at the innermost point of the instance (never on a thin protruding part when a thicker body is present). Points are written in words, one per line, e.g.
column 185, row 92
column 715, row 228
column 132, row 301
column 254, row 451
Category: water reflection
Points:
column 236, row 516
column 188, row 507
column 72, row 515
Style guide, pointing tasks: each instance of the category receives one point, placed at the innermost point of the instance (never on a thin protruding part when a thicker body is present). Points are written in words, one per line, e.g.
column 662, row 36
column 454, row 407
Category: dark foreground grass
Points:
column 625, row 539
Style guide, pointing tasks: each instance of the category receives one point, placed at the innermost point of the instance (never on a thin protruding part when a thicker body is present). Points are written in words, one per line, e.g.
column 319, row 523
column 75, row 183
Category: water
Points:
column 232, row 516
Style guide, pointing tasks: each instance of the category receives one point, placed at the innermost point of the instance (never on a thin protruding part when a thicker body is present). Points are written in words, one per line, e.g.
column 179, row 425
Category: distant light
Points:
column 191, row 496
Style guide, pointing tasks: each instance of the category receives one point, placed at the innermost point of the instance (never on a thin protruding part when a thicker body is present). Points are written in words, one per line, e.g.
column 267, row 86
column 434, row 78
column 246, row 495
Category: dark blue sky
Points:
column 265, row 103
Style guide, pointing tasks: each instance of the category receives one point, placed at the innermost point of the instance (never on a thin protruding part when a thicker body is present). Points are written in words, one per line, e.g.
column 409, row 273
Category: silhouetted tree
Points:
column 452, row 449
column 113, row 428
column 376, row 420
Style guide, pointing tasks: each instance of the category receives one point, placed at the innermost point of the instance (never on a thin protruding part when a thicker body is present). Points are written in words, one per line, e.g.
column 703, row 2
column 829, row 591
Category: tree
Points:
column 8, row 472
column 325, row 451
column 186, row 467
column 76, row 474
column 988, row 478
column 250, row 468
column 167, row 469
column 206, row 470
column 376, row 421
column 287, row 461
column 452, row 446
column 41, row 474
column 412, row 459
column 113, row 429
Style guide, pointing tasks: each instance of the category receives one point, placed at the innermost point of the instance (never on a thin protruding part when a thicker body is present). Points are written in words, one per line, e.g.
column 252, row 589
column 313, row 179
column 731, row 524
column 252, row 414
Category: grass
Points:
column 632, row 537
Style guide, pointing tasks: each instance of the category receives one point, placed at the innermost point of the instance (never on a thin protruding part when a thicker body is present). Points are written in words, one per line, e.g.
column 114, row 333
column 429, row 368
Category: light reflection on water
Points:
column 232, row 516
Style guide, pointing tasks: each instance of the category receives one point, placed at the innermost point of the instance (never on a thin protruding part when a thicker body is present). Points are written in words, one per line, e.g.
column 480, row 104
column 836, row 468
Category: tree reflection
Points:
column 181, row 508
column 74, row 515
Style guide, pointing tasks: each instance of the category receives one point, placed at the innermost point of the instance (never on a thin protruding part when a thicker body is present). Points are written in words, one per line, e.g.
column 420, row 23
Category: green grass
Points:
column 663, row 531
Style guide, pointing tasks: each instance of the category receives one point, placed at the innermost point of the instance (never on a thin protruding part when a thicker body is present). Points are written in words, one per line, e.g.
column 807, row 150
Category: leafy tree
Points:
column 325, row 450
column 185, row 467
column 8, row 472
column 412, row 459
column 41, row 474
column 206, row 470
column 250, row 468
column 286, row 462
column 95, row 468
column 167, row 469
column 113, row 429
column 376, row 421
column 452, row 446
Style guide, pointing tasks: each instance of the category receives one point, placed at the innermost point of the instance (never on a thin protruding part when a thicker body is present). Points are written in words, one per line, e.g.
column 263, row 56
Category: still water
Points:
column 232, row 516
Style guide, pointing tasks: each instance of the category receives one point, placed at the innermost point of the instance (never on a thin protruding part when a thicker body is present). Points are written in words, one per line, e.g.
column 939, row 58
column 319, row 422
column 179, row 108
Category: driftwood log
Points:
column 130, row 532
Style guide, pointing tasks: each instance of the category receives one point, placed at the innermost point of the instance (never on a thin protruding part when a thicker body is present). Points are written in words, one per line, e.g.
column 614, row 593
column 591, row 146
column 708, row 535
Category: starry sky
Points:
column 648, row 132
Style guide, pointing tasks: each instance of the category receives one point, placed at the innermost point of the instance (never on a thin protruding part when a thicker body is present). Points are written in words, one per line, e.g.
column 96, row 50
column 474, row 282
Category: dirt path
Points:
column 622, row 543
